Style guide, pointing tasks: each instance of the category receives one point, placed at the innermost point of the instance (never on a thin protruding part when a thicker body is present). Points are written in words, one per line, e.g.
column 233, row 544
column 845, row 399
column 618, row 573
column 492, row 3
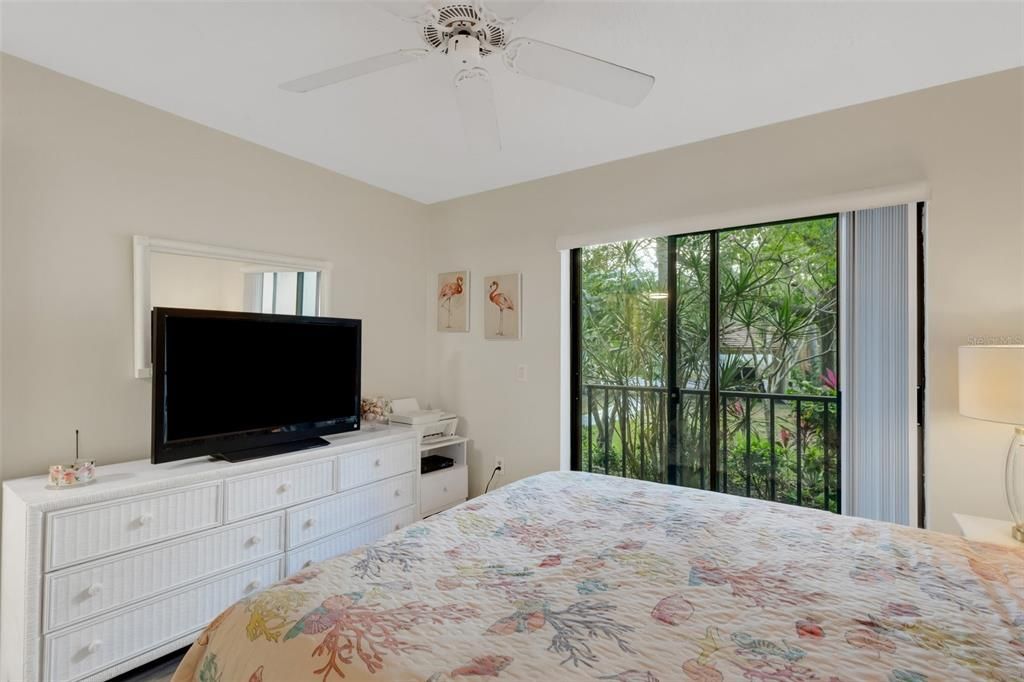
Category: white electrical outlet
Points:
column 521, row 373
column 499, row 463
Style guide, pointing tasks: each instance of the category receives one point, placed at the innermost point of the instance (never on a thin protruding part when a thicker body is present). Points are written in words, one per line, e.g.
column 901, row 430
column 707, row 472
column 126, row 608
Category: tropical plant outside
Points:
column 777, row 353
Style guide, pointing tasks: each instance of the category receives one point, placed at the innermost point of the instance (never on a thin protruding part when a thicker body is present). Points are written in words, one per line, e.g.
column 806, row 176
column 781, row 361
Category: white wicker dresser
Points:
column 99, row 580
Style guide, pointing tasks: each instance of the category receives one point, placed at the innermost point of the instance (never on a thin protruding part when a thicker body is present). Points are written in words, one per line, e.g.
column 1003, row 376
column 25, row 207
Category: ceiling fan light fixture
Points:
column 465, row 49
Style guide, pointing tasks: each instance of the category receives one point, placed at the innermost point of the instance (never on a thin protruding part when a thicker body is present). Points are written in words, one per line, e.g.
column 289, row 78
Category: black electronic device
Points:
column 433, row 463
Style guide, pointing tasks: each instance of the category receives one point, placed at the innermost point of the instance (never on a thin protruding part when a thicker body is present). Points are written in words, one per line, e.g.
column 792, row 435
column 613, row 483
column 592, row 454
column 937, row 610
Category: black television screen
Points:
column 242, row 385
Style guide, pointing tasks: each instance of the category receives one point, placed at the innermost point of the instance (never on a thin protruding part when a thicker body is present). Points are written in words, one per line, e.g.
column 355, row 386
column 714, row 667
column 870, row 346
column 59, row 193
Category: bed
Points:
column 581, row 576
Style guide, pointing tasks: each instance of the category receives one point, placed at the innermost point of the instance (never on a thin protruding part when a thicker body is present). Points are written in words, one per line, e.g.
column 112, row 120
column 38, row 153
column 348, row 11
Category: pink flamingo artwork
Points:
column 449, row 291
column 503, row 302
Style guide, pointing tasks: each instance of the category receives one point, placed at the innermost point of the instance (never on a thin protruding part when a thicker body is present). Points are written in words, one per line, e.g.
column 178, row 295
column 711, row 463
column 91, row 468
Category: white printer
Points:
column 431, row 424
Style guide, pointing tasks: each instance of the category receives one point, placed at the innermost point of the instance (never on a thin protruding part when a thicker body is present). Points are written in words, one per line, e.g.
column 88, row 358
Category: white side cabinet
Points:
column 101, row 579
column 444, row 488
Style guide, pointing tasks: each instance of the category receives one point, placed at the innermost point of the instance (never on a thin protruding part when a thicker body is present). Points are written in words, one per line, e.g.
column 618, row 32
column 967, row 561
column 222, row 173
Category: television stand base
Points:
column 268, row 450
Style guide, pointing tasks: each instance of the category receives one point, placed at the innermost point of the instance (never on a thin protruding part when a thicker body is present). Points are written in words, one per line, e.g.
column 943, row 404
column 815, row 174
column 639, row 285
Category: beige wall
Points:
column 965, row 139
column 84, row 170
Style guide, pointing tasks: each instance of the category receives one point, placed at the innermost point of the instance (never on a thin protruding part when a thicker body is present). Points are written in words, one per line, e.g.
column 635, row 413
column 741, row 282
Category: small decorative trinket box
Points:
column 81, row 472
column 70, row 475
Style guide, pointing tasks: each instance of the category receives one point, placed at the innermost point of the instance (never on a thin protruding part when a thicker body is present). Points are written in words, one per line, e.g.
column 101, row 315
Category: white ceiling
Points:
column 721, row 67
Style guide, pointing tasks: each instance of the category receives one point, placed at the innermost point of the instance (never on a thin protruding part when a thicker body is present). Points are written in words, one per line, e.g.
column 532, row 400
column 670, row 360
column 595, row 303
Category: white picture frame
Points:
column 452, row 301
column 503, row 307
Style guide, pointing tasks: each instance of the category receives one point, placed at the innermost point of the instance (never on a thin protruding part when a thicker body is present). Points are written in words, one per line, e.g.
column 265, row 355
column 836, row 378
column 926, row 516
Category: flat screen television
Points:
column 246, row 385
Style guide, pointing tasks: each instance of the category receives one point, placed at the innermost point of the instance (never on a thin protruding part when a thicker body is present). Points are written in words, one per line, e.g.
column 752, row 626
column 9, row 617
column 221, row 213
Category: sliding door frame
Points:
column 575, row 359
column 672, row 475
column 921, row 219
column 715, row 415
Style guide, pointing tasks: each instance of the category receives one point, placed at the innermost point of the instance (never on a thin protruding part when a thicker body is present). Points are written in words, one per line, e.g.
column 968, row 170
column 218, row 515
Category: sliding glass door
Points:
column 623, row 308
column 709, row 360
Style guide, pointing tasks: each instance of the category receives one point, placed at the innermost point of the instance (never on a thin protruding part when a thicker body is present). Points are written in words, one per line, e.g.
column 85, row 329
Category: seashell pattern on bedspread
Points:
column 582, row 576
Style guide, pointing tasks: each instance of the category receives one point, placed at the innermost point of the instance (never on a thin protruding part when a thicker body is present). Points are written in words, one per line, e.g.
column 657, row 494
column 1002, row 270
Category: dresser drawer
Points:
column 346, row 541
column 260, row 493
column 76, row 535
column 86, row 649
column 322, row 518
column 366, row 466
column 83, row 591
column 442, row 489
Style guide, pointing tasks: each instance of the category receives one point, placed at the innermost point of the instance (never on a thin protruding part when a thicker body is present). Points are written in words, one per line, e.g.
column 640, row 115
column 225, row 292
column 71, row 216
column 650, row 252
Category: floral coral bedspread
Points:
column 580, row 576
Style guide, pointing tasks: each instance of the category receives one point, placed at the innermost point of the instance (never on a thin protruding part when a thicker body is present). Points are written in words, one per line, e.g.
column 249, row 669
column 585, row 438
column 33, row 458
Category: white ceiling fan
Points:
column 468, row 33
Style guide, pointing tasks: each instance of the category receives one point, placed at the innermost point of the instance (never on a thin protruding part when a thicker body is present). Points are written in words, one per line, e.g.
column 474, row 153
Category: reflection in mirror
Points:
column 195, row 282
column 178, row 281
column 284, row 293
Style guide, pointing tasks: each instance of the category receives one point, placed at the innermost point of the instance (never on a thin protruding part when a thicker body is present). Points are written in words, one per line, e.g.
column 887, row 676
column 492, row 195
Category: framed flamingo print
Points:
column 452, row 298
column 503, row 307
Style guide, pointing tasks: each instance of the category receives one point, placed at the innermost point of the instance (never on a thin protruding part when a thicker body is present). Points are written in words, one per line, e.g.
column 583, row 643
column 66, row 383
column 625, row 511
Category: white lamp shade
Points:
column 992, row 383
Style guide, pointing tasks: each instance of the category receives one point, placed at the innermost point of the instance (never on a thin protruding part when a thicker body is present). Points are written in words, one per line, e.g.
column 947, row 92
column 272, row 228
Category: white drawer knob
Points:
column 376, row 463
column 94, row 646
column 144, row 519
column 255, row 540
column 253, row 586
column 308, row 564
column 310, row 523
column 94, row 589
column 284, row 487
column 398, row 493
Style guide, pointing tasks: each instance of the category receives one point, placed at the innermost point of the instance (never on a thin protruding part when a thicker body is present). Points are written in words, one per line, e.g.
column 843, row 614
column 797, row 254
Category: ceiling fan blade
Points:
column 475, row 99
column 353, row 70
column 577, row 71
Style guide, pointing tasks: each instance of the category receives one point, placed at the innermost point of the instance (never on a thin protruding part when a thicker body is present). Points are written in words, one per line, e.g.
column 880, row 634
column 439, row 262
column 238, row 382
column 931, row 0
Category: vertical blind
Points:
column 880, row 420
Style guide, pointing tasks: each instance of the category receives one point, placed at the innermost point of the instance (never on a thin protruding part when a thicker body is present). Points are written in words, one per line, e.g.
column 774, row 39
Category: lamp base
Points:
column 1015, row 483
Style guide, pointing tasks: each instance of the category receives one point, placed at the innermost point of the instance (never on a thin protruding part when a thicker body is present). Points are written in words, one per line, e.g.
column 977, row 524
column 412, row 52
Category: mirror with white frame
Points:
column 172, row 274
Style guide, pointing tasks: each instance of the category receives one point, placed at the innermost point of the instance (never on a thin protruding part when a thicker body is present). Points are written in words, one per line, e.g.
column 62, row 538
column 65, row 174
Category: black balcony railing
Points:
column 773, row 446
